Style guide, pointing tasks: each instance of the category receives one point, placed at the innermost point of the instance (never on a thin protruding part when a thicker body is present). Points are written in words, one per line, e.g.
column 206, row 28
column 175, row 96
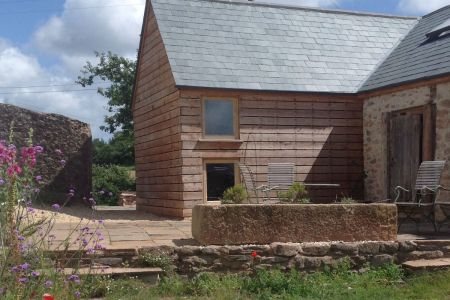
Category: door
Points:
column 410, row 143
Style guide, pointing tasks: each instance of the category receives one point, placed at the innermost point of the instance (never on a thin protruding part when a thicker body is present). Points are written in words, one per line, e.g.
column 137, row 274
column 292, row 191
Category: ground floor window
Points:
column 219, row 177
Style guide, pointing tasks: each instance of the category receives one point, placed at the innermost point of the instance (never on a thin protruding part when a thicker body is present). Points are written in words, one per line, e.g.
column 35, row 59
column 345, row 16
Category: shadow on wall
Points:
column 67, row 159
column 338, row 161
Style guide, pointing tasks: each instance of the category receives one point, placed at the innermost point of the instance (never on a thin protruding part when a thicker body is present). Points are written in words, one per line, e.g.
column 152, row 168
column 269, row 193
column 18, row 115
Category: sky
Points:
column 45, row 43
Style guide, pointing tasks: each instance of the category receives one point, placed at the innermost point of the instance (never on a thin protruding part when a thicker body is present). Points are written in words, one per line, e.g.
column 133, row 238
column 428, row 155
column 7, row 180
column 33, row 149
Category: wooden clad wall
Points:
column 321, row 134
column 157, row 129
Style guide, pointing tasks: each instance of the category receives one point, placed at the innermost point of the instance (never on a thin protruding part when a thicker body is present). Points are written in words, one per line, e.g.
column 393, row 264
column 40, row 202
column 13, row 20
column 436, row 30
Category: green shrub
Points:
column 235, row 195
column 348, row 200
column 109, row 181
column 295, row 194
column 157, row 260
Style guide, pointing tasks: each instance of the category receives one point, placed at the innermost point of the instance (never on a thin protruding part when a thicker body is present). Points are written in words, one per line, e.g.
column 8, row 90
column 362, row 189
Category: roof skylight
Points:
column 439, row 30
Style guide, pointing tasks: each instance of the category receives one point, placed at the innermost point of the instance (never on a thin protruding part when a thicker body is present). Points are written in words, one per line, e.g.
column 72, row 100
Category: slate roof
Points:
column 416, row 57
column 242, row 45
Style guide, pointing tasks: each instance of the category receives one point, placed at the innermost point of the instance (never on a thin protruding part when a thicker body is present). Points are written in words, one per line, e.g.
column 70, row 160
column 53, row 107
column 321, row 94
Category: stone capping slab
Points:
column 239, row 224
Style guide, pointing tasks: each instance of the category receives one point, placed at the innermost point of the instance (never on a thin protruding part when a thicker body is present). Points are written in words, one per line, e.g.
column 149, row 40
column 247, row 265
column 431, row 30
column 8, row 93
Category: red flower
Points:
column 48, row 297
column 254, row 254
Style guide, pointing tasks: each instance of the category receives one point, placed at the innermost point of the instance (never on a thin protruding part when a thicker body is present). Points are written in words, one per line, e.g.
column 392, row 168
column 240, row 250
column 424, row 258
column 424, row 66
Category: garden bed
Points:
column 263, row 224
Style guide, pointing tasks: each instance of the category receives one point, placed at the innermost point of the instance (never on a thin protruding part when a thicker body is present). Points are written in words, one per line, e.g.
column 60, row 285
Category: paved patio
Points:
column 125, row 228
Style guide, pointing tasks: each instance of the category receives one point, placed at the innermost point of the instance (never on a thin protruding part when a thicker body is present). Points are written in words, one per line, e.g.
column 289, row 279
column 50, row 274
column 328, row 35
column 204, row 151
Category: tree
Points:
column 118, row 151
column 119, row 73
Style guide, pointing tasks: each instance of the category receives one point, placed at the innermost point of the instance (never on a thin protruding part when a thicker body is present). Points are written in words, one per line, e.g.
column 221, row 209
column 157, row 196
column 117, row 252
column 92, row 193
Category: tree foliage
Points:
column 118, row 151
column 119, row 73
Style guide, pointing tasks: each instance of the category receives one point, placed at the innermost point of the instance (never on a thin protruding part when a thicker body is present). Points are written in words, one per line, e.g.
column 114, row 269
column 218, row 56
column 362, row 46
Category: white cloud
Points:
column 70, row 39
column 421, row 6
column 104, row 25
column 18, row 69
column 313, row 3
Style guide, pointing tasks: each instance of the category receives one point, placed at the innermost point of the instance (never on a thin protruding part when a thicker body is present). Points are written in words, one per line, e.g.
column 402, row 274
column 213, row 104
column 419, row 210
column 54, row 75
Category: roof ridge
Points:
column 309, row 8
column 436, row 11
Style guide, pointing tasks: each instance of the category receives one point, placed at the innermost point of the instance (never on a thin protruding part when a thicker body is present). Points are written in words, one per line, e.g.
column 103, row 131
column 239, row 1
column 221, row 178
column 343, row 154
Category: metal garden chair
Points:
column 248, row 178
column 422, row 199
column 280, row 176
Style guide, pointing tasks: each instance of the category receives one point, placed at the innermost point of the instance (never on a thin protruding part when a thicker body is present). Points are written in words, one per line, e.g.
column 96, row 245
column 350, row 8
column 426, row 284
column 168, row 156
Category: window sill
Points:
column 234, row 141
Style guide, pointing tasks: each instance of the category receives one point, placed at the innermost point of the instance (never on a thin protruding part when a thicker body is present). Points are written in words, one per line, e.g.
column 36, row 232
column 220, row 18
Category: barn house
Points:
column 223, row 83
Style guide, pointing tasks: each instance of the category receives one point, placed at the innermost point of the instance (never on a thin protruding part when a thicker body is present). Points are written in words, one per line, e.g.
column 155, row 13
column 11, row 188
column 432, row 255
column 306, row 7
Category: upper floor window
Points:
column 220, row 118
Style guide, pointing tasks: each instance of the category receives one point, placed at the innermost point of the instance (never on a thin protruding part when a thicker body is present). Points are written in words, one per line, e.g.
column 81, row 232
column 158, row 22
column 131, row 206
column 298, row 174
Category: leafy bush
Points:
column 235, row 195
column 157, row 260
column 348, row 200
column 295, row 194
column 109, row 181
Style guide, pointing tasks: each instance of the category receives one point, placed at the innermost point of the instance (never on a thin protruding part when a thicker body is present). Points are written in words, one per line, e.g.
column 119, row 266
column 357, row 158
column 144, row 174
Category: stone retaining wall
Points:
column 63, row 139
column 263, row 224
column 308, row 257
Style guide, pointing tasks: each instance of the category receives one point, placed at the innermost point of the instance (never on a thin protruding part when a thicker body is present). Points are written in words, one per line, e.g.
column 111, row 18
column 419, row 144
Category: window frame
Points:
column 237, row 177
column 236, row 129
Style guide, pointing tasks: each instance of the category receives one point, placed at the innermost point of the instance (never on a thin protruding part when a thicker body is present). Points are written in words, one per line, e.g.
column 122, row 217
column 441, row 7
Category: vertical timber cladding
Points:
column 321, row 134
column 156, row 122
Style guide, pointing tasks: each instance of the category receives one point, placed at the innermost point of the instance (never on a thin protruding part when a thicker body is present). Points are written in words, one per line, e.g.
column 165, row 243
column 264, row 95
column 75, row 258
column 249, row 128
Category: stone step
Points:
column 151, row 275
column 427, row 264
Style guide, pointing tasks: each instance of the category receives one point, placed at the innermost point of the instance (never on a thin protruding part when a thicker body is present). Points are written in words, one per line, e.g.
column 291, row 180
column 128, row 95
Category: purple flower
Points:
column 56, row 206
column 21, row 238
column 102, row 192
column 101, row 221
column 23, row 280
column 62, row 162
column 74, row 278
column 48, row 284
column 58, row 151
column 35, row 274
column 30, row 210
column 25, row 266
column 77, row 294
column 38, row 178
column 15, row 269
column 2, row 182
column 92, row 201
column 39, row 149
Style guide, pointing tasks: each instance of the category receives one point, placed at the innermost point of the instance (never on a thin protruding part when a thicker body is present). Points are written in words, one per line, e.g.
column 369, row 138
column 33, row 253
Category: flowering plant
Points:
column 27, row 270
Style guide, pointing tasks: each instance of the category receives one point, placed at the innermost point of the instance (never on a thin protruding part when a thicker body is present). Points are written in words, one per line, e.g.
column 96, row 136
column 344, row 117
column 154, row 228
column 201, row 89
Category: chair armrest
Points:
column 261, row 187
column 271, row 188
column 398, row 189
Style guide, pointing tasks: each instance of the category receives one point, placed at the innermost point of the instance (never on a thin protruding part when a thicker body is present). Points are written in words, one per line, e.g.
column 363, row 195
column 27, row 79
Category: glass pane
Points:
column 219, row 177
column 219, row 117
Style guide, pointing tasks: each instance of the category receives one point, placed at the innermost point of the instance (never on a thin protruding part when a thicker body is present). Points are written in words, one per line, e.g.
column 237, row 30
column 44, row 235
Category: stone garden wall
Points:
column 61, row 171
column 375, row 129
column 301, row 256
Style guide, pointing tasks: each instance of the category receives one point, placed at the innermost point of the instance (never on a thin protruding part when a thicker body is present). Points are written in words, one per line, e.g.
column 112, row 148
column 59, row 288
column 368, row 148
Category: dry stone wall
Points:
column 61, row 171
column 375, row 133
column 306, row 257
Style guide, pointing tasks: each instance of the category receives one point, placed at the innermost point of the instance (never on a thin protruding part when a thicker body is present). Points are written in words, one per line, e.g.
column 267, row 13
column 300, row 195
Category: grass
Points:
column 384, row 283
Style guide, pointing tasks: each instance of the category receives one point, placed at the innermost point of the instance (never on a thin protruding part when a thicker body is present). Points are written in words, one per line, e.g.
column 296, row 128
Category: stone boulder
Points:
column 60, row 171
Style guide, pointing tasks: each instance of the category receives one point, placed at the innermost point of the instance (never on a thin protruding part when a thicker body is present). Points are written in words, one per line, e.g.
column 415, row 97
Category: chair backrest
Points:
column 280, row 174
column 429, row 174
column 248, row 177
